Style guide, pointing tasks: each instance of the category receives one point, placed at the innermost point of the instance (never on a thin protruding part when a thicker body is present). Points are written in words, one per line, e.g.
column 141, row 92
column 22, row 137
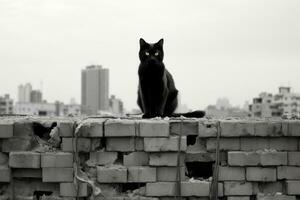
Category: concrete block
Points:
column 199, row 188
column 283, row 144
column 24, row 159
column 17, row 144
column 261, row 174
column 291, row 128
column 238, row 198
column 19, row 197
column 195, row 198
column 83, row 144
column 268, row 187
column 138, row 197
column 120, row 144
column 236, row 128
column 205, row 157
column 67, row 145
column 292, row 187
column 294, row 158
column 54, row 197
column 103, row 158
column 238, row 158
column 57, row 159
column 5, row 174
column 66, row 128
column 153, row 128
column 23, row 128
column 27, row 187
column 237, row 188
column 169, row 174
column 142, row 198
column 92, row 127
column 270, row 158
column 27, row 173
column 136, row 159
column 265, row 158
column 140, row 174
column 165, row 159
column 268, row 128
column 189, row 127
column 225, row 144
column 57, row 174
column 111, row 198
column 208, row 128
column 288, row 172
column 161, row 189
column 195, row 188
column 231, row 173
column 165, row 144
column 274, row 197
column 111, row 174
column 252, row 144
column 6, row 129
column 71, row 190
column 3, row 158
column 120, row 128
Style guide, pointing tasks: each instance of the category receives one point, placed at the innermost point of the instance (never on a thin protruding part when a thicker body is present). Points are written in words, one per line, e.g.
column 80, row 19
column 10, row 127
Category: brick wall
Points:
column 143, row 159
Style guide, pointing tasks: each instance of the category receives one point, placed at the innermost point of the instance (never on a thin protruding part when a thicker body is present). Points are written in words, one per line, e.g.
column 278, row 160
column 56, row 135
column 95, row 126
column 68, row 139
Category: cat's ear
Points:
column 142, row 42
column 161, row 42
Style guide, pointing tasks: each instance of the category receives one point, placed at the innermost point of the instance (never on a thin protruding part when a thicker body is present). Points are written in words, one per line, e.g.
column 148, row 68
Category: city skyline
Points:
column 212, row 48
column 94, row 89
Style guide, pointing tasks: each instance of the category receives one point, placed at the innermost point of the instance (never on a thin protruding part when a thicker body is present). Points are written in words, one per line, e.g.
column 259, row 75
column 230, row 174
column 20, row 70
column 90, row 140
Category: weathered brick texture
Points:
column 58, row 159
column 137, row 159
column 120, row 128
column 141, row 174
column 56, row 174
column 25, row 159
column 116, row 174
column 154, row 128
column 6, row 129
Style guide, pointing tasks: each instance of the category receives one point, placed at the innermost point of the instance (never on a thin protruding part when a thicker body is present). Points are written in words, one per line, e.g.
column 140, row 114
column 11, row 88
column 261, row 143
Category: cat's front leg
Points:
column 161, row 107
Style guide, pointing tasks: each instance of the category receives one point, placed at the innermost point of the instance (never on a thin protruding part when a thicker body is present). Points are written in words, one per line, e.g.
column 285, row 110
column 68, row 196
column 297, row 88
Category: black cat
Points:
column 157, row 94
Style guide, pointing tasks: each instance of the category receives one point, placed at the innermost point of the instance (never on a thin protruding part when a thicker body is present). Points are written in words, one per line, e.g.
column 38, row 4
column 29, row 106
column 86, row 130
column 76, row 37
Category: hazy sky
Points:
column 226, row 48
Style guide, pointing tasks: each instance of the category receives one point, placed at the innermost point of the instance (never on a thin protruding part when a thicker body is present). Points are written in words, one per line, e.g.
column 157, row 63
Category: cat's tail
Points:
column 194, row 114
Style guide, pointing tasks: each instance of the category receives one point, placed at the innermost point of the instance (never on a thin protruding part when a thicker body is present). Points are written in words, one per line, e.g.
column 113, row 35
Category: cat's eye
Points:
column 156, row 53
column 147, row 53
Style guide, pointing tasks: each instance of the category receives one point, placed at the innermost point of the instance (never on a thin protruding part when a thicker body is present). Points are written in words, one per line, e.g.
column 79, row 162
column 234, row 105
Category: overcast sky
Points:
column 232, row 48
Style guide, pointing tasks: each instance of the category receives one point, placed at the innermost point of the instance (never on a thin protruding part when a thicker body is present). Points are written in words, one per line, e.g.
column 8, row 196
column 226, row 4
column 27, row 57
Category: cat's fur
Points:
column 157, row 94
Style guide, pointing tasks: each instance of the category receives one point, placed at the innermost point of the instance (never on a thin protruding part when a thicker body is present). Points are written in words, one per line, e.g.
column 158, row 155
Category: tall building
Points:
column 277, row 105
column 27, row 95
column 94, row 89
column 6, row 105
column 116, row 105
column 36, row 96
column 24, row 92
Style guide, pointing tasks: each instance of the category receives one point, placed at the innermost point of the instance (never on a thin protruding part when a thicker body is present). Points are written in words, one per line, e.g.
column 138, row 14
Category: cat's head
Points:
column 151, row 52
